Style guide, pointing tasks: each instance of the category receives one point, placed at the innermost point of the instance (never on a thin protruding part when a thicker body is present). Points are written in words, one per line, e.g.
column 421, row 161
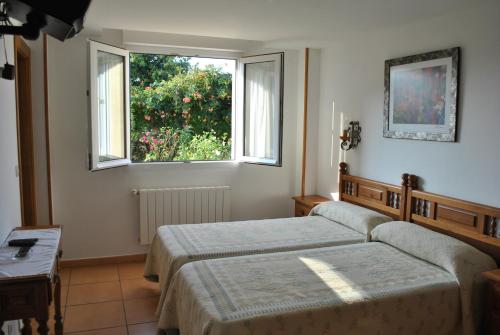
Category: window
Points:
column 109, row 92
column 183, row 108
column 262, row 108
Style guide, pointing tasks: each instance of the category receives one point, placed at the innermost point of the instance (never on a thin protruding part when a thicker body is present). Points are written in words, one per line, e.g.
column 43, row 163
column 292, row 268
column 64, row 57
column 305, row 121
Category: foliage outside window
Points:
column 180, row 108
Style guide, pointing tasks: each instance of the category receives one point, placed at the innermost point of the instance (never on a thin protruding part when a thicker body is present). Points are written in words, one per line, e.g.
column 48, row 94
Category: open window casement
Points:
column 109, row 106
column 260, row 106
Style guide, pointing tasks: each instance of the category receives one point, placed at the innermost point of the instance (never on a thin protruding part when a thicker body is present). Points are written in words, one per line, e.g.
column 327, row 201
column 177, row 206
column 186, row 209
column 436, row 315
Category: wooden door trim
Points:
column 47, row 135
column 22, row 50
column 304, row 130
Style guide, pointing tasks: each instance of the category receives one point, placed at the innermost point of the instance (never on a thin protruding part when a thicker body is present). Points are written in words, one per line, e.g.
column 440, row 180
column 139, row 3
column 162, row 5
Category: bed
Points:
column 333, row 223
column 409, row 281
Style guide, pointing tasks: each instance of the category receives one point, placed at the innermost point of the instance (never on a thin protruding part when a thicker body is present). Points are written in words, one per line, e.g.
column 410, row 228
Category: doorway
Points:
column 22, row 56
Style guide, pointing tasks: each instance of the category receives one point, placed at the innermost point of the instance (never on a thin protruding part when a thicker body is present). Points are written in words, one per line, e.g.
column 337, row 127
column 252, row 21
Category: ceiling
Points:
column 265, row 20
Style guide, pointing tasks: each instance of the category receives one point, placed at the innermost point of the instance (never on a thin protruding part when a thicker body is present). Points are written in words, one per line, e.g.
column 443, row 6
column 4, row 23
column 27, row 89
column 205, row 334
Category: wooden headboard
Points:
column 476, row 224
column 385, row 198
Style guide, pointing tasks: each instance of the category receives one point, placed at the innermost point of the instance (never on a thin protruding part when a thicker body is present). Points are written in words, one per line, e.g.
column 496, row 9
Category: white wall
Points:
column 10, row 201
column 99, row 214
column 352, row 79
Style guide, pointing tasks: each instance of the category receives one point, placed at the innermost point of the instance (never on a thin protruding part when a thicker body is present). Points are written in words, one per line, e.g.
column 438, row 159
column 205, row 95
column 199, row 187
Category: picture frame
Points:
column 421, row 96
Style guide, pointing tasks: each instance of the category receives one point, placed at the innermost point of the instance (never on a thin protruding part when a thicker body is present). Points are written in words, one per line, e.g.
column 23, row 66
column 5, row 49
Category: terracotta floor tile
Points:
column 94, row 316
column 131, row 270
column 94, row 274
column 143, row 329
column 64, row 295
column 65, row 275
column 92, row 293
column 141, row 310
column 139, row 288
column 106, row 331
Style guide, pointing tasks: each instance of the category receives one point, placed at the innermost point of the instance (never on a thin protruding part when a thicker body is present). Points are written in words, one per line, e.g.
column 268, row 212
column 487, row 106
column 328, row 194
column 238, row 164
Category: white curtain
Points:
column 260, row 110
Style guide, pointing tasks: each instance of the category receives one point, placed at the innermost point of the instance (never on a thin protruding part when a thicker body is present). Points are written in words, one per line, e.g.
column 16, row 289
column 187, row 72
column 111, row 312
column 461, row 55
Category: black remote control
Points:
column 23, row 251
column 23, row 242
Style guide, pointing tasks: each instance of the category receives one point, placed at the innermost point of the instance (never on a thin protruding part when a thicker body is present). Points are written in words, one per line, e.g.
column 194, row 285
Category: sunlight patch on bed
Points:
column 343, row 287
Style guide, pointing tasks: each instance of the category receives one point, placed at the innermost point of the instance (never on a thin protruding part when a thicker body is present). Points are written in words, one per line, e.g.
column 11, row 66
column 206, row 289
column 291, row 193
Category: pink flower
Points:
column 148, row 133
column 147, row 117
column 155, row 141
column 186, row 100
column 147, row 88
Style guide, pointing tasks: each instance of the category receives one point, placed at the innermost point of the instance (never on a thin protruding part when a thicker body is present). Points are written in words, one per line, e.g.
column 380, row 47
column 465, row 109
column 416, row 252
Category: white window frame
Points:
column 94, row 48
column 278, row 96
column 238, row 105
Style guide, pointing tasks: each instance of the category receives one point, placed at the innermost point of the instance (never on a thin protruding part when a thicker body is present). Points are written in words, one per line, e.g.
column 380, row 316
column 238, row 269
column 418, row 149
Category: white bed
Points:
column 332, row 223
column 412, row 281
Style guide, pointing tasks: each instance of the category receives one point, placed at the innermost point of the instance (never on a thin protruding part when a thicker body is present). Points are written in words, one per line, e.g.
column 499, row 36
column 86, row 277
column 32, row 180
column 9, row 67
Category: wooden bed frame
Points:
column 385, row 198
column 470, row 222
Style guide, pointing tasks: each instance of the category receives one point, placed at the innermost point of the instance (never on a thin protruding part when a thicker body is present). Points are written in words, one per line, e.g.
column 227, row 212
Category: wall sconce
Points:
column 351, row 136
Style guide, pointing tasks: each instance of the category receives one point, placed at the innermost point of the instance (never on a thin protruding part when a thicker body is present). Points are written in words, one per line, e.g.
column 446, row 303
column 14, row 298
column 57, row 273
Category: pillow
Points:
column 462, row 260
column 361, row 219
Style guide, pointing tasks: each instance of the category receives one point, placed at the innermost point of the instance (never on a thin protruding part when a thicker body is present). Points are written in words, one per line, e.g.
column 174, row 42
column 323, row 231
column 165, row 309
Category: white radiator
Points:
column 168, row 206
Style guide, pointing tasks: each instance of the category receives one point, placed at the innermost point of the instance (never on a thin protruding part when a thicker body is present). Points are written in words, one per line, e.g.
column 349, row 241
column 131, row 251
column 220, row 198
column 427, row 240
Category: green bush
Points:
column 173, row 104
column 204, row 147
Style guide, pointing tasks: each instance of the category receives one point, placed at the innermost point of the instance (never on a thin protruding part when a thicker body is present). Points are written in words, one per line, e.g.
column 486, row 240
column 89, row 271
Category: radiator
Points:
column 168, row 206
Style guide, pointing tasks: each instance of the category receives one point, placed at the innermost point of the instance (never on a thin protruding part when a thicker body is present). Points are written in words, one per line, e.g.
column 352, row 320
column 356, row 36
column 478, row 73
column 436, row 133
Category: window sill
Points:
column 225, row 162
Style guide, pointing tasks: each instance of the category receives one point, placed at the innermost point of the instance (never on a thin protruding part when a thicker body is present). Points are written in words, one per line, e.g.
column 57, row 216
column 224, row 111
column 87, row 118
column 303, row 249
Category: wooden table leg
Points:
column 57, row 302
column 43, row 329
column 26, row 327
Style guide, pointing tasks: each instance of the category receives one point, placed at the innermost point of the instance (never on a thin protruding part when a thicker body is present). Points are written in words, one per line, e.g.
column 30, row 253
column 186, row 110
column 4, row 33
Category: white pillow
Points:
column 462, row 260
column 361, row 219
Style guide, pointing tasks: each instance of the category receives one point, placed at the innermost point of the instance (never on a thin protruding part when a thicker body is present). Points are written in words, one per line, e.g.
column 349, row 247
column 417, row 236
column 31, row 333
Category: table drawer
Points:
column 18, row 300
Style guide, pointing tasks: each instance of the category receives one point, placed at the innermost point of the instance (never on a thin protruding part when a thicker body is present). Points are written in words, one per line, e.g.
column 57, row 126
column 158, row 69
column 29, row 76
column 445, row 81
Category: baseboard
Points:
column 71, row 263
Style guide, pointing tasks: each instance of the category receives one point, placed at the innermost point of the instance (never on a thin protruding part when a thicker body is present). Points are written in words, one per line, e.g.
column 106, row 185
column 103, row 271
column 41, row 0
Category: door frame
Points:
column 25, row 147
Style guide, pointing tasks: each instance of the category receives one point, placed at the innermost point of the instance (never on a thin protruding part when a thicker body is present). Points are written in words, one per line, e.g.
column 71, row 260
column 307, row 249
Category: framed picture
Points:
column 421, row 96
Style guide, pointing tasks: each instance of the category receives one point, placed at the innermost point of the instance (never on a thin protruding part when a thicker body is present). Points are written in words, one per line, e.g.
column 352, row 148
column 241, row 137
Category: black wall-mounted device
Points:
column 59, row 19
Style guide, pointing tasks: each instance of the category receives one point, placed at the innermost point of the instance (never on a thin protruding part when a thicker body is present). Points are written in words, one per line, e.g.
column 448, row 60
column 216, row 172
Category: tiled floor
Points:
column 108, row 300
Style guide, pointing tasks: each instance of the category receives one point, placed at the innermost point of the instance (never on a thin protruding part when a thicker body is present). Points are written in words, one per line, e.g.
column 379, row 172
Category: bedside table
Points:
column 492, row 311
column 31, row 284
column 304, row 204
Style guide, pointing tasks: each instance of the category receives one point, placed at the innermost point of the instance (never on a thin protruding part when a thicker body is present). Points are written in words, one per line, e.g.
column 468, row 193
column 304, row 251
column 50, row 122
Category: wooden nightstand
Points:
column 303, row 205
column 492, row 311
column 27, row 290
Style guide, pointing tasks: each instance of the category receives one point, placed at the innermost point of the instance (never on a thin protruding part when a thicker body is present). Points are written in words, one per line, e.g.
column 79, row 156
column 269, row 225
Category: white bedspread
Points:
column 176, row 245
column 369, row 288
